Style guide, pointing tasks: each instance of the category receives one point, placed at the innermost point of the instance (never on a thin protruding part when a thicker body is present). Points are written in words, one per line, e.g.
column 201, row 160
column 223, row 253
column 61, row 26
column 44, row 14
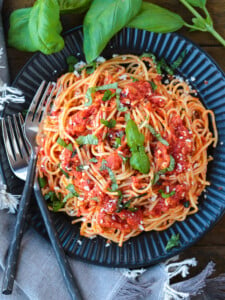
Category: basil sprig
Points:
column 165, row 196
column 157, row 135
column 163, row 171
column 73, row 193
column 54, row 201
column 139, row 159
column 89, row 139
column 174, row 241
column 108, row 95
column 62, row 143
column 42, row 182
column 110, row 124
column 114, row 186
column 94, row 89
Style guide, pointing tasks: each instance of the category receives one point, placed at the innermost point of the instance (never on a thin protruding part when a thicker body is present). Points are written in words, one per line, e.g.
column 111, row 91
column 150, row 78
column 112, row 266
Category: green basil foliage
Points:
column 174, row 241
column 71, row 61
column 42, row 182
column 62, row 143
column 45, row 26
column 163, row 171
column 157, row 135
column 71, row 6
column 197, row 3
column 110, row 124
column 89, row 139
column 157, row 19
column 54, row 201
column 73, row 193
column 165, row 196
column 94, row 89
column 139, row 159
column 94, row 160
column 103, row 20
column 114, row 186
column 108, row 95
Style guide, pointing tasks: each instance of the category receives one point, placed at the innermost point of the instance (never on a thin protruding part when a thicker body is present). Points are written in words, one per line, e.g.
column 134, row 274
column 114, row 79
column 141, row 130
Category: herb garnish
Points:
column 139, row 159
column 119, row 105
column 89, row 139
column 165, row 196
column 94, row 89
column 163, row 171
column 71, row 61
column 103, row 167
column 62, row 143
column 157, row 135
column 94, row 160
column 110, row 124
column 108, row 95
column 42, row 182
column 174, row 241
column 54, row 201
column 73, row 193
column 65, row 173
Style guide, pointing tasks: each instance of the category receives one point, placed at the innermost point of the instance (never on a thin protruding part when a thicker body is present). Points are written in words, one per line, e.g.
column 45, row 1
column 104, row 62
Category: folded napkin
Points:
column 39, row 277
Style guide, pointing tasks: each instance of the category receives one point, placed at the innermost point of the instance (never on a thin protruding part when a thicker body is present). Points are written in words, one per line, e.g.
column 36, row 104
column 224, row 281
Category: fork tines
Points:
column 16, row 146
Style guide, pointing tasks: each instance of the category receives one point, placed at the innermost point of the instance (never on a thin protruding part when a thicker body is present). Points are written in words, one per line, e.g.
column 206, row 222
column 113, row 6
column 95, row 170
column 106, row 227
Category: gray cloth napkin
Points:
column 39, row 278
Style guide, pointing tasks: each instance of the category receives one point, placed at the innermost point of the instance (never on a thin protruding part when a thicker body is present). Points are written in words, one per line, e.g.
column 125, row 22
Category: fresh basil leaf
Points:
column 162, row 64
column 174, row 241
column 108, row 95
column 134, row 79
column 71, row 61
column 68, row 196
column 103, row 20
column 157, row 135
column 157, row 19
column 107, row 86
column 119, row 202
column 55, row 202
column 45, row 26
column 165, row 196
column 120, row 107
column 140, row 161
column 94, row 160
column 62, row 143
column 134, row 136
column 65, row 173
column 153, row 85
column 127, row 117
column 88, row 95
column 90, row 68
column 71, row 6
column 117, row 142
column 199, row 24
column 137, row 197
column 110, row 124
column 70, row 187
column 178, row 61
column 89, row 139
column 103, row 167
column 19, row 35
column 42, row 182
column 163, row 171
column 79, row 168
column 197, row 3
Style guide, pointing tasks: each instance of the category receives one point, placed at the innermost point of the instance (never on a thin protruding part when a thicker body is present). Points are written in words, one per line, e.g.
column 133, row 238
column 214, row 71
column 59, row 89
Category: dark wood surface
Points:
column 212, row 245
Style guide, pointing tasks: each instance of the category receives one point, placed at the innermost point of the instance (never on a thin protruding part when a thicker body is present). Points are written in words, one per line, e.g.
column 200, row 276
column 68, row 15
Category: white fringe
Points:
column 10, row 94
column 7, row 200
column 173, row 270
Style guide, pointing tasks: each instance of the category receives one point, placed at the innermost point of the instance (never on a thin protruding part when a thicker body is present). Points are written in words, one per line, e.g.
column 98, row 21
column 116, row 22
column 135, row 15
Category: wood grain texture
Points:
column 212, row 245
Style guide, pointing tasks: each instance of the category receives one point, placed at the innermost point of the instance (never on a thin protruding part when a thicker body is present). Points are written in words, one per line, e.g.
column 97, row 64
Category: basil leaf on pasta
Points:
column 42, row 182
column 174, row 241
column 89, row 139
column 165, row 196
column 157, row 135
column 110, row 124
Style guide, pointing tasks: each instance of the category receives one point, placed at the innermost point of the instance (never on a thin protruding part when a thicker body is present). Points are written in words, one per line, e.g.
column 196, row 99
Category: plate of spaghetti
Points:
column 131, row 158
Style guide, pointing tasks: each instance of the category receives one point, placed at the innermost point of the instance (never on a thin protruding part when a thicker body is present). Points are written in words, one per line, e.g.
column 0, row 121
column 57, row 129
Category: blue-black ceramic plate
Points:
column 147, row 248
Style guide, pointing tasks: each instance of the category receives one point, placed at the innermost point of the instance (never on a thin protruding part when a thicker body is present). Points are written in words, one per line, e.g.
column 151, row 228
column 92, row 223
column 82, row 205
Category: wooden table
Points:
column 212, row 245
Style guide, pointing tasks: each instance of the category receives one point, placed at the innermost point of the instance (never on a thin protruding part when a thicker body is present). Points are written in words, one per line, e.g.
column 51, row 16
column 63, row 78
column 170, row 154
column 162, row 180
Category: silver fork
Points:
column 59, row 252
column 18, row 158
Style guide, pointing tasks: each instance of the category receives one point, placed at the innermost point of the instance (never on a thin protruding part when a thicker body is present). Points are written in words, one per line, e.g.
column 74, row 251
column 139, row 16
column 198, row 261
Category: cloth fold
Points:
column 39, row 277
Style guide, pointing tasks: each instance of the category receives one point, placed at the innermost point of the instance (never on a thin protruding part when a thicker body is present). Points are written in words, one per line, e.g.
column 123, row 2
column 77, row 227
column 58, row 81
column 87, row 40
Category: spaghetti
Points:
column 124, row 149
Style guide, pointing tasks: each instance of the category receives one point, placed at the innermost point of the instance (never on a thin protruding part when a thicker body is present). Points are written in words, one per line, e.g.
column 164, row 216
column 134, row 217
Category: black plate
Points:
column 147, row 248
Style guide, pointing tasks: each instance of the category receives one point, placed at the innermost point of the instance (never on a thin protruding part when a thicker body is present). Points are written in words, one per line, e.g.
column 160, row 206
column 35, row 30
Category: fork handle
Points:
column 14, row 248
column 57, row 247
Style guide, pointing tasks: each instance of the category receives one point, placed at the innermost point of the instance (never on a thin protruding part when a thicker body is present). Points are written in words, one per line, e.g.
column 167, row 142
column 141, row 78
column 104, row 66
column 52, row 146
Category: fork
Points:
column 18, row 165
